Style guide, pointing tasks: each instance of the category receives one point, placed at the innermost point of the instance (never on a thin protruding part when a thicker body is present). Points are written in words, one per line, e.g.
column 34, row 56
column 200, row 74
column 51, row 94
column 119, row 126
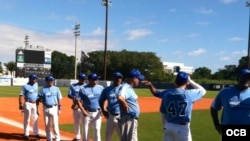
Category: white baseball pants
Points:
column 30, row 112
column 112, row 125
column 51, row 118
column 77, row 115
column 94, row 119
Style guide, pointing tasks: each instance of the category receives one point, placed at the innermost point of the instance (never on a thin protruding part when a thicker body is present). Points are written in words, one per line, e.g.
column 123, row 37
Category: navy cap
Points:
column 117, row 75
column 182, row 77
column 136, row 73
column 243, row 72
column 49, row 78
column 32, row 76
column 93, row 76
column 81, row 76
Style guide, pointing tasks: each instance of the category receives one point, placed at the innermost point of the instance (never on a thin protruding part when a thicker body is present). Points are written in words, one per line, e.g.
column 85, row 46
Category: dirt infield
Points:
column 11, row 118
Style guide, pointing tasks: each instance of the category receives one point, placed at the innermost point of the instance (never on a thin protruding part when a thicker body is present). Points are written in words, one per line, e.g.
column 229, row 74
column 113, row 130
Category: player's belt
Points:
column 133, row 117
column 93, row 110
column 114, row 114
column 29, row 101
column 183, row 123
column 50, row 106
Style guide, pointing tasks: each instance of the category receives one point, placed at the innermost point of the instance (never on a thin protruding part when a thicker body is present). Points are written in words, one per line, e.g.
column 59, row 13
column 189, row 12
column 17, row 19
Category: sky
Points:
column 197, row 33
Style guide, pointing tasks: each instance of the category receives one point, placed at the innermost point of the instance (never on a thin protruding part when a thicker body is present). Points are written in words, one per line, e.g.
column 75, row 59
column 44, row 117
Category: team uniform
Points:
column 130, row 110
column 236, row 106
column 110, row 94
column 30, row 94
column 234, row 101
column 177, row 106
column 73, row 93
column 51, row 96
column 89, row 97
column 128, row 122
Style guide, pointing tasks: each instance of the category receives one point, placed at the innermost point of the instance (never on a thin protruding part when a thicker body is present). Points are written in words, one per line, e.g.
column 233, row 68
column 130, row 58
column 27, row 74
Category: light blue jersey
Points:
column 90, row 96
column 50, row 95
column 30, row 92
column 177, row 104
column 110, row 94
column 74, row 90
column 235, row 104
column 132, row 100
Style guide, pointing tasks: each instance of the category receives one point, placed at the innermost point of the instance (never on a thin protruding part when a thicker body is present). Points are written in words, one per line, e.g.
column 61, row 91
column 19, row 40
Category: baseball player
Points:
column 88, row 103
column 112, row 111
column 73, row 93
column 51, row 96
column 129, row 105
column 28, row 104
column 234, row 103
column 177, row 105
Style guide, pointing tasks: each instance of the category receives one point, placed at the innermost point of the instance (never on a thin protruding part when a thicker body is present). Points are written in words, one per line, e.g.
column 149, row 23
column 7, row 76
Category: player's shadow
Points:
column 17, row 136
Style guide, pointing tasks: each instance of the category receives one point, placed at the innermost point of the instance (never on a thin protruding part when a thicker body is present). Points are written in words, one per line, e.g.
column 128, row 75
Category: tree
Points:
column 62, row 66
column 202, row 73
column 147, row 62
column 11, row 66
column 1, row 68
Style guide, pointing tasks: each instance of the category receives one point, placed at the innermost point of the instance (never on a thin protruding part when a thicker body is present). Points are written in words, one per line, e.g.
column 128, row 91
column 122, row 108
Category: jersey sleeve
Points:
column 217, row 102
column 59, row 94
column 22, row 92
column 103, row 95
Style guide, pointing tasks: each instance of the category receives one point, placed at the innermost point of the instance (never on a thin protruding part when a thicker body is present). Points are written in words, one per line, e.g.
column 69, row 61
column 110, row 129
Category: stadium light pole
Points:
column 248, row 53
column 77, row 33
column 107, row 4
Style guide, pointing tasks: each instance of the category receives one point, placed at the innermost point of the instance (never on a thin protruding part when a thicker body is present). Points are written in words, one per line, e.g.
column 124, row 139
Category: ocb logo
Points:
column 236, row 132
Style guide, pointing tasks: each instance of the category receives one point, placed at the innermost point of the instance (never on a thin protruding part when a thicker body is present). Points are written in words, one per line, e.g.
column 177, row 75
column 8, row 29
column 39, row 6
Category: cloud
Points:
column 197, row 52
column 163, row 41
column 226, row 58
column 98, row 32
column 177, row 52
column 205, row 11
column 13, row 37
column 235, row 39
column 193, row 35
column 173, row 10
column 138, row 33
column 53, row 16
column 228, row 1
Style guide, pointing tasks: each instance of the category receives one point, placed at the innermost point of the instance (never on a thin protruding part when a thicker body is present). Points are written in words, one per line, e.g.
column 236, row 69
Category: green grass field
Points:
column 150, row 127
column 13, row 91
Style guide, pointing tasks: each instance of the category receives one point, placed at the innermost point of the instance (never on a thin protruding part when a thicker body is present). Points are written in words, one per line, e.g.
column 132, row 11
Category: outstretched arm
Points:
column 150, row 86
column 152, row 89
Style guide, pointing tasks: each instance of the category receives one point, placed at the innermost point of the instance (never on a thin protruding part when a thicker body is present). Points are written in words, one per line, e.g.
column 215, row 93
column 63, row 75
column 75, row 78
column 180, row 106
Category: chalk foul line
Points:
column 20, row 125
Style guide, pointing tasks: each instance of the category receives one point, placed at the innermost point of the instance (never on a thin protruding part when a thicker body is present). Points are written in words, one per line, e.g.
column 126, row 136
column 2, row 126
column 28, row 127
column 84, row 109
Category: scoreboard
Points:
column 33, row 56
column 30, row 61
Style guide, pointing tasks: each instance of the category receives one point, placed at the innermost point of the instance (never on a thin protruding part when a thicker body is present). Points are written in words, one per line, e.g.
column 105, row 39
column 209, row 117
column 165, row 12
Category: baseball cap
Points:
column 81, row 76
column 117, row 75
column 32, row 76
column 49, row 78
column 136, row 73
column 244, row 72
column 93, row 76
column 182, row 77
